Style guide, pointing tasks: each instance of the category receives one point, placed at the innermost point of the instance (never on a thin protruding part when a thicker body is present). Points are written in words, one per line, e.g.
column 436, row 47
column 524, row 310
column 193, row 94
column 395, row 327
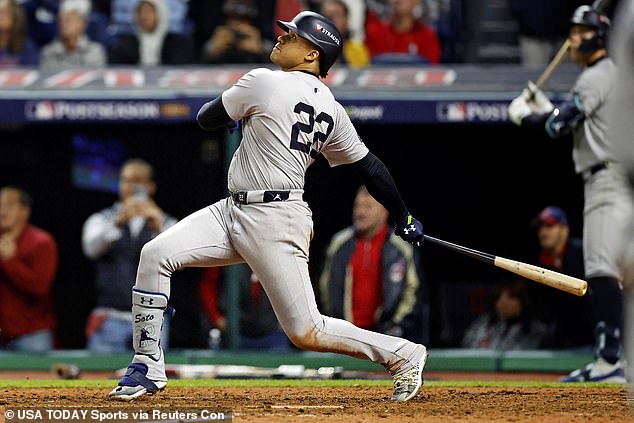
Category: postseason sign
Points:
column 381, row 94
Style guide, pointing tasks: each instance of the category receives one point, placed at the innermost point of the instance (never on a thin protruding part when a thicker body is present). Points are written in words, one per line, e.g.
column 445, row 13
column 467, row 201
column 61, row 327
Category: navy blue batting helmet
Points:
column 320, row 31
column 587, row 16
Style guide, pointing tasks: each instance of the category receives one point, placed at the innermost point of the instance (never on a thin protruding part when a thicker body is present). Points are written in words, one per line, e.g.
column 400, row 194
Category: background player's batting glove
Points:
column 519, row 108
column 538, row 102
column 411, row 230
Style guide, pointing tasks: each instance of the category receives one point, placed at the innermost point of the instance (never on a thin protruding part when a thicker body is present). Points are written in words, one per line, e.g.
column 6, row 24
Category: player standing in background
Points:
column 608, row 203
column 288, row 118
column 621, row 130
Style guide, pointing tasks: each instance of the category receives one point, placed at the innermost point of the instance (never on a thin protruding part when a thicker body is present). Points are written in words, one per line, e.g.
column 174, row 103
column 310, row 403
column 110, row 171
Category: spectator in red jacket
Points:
column 28, row 263
column 402, row 35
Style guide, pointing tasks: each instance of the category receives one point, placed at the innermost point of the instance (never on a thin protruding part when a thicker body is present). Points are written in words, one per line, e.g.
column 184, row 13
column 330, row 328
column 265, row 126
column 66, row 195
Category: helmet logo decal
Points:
column 329, row 34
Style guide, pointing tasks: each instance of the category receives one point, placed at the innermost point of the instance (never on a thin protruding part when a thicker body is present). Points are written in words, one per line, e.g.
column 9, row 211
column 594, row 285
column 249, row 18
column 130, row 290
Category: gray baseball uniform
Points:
column 608, row 204
column 607, row 199
column 287, row 119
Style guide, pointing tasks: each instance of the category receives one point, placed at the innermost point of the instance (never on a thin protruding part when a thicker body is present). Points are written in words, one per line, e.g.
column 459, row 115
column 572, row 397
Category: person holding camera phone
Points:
column 113, row 239
column 238, row 40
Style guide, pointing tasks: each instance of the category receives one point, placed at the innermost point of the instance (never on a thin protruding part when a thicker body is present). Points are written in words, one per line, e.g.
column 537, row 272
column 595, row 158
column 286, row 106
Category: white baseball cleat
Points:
column 598, row 371
column 407, row 383
column 135, row 384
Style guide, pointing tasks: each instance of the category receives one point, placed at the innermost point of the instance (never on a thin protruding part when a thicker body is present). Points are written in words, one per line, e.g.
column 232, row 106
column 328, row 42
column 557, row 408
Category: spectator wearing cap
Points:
column 569, row 317
column 72, row 47
column 557, row 248
column 238, row 40
column 151, row 44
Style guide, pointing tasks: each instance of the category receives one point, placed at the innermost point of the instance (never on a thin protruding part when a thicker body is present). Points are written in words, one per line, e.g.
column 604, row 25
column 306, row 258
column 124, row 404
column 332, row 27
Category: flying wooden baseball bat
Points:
column 562, row 53
column 538, row 274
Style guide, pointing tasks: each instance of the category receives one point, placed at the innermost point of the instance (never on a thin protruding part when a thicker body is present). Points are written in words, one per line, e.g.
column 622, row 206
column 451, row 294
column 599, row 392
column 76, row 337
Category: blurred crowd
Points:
column 94, row 33
column 369, row 277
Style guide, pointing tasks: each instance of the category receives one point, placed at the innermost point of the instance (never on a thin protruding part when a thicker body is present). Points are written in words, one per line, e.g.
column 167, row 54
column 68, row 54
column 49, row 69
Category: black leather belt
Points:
column 243, row 197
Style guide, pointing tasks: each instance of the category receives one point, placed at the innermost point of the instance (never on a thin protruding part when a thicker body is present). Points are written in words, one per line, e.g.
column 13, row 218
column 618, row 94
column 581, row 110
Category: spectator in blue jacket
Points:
column 372, row 278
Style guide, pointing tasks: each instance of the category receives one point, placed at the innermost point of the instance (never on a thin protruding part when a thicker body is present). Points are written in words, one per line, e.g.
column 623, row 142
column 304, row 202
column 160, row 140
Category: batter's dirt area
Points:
column 359, row 403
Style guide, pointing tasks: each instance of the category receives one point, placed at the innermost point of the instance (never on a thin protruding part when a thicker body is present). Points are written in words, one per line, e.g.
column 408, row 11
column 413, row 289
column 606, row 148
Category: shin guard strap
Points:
column 149, row 299
column 135, row 375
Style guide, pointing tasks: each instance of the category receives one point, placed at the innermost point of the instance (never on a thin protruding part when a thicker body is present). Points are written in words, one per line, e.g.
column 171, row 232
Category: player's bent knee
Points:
column 150, row 253
column 154, row 257
column 305, row 339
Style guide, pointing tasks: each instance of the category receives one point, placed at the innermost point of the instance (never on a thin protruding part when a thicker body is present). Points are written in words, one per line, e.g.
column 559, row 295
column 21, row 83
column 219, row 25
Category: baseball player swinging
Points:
column 288, row 118
column 607, row 199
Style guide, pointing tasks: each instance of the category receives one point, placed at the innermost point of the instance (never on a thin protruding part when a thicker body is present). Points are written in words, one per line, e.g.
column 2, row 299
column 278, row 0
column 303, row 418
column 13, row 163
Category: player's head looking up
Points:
column 312, row 42
column 588, row 31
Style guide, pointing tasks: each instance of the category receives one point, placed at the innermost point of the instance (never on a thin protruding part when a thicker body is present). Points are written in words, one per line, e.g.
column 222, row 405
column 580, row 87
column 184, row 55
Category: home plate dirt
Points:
column 358, row 403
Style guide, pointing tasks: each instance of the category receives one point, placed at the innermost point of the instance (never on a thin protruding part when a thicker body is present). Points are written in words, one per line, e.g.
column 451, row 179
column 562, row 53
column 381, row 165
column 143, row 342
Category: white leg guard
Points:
column 147, row 322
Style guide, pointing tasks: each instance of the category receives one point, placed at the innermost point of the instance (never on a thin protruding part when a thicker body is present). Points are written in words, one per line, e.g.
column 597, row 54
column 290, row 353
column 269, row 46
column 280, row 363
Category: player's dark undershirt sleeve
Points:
column 561, row 120
column 380, row 184
column 213, row 114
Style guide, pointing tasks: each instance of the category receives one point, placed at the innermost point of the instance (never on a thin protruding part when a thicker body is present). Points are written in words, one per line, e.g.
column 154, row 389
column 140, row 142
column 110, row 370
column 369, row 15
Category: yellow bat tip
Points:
column 583, row 289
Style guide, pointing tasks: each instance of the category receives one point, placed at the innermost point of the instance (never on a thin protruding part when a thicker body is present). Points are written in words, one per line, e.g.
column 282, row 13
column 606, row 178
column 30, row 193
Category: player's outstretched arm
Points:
column 212, row 115
column 381, row 185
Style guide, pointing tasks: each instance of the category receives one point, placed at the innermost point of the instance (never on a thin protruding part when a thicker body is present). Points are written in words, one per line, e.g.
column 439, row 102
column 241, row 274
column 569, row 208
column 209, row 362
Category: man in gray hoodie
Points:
column 151, row 44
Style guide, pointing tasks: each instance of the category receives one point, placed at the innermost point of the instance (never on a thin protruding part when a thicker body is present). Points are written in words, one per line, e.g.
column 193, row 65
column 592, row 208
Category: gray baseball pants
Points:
column 273, row 239
column 607, row 212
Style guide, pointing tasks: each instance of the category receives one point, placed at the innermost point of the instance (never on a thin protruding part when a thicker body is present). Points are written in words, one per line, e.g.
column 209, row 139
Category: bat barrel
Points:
column 538, row 274
column 544, row 276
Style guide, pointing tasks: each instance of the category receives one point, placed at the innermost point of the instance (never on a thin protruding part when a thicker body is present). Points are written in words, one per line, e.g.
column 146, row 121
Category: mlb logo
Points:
column 318, row 27
column 41, row 110
column 451, row 112
column 456, row 112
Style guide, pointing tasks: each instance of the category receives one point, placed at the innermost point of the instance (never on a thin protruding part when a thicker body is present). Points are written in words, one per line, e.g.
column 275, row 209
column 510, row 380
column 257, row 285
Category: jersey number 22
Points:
column 308, row 128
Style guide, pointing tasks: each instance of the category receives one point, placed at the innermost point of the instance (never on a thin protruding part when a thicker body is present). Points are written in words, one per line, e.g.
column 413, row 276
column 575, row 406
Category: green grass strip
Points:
column 267, row 383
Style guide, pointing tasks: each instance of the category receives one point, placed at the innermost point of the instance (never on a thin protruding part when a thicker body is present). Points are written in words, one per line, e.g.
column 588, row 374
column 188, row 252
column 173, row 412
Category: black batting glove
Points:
column 411, row 230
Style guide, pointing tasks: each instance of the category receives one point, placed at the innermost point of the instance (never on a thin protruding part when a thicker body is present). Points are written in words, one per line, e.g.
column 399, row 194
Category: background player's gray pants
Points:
column 607, row 211
column 273, row 238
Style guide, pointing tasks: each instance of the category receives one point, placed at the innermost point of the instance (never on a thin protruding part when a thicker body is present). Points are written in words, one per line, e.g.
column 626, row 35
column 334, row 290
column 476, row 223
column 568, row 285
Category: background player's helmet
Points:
column 587, row 16
column 320, row 31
